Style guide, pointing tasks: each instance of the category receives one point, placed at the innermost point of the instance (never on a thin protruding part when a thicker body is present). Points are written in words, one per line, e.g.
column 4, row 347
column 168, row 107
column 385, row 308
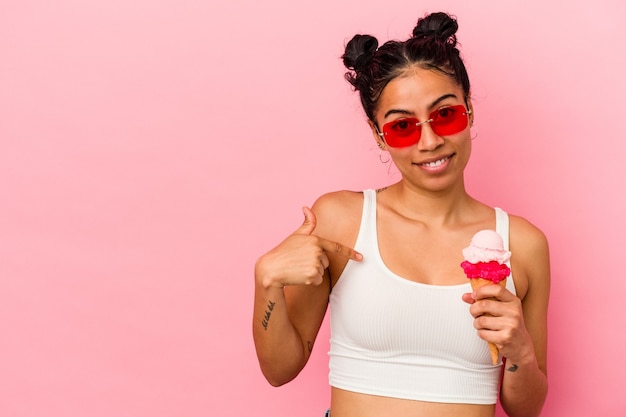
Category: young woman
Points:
column 408, row 334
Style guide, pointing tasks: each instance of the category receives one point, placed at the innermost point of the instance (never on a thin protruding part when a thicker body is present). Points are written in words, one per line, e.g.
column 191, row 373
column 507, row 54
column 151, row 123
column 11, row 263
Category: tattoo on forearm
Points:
column 512, row 368
column 268, row 313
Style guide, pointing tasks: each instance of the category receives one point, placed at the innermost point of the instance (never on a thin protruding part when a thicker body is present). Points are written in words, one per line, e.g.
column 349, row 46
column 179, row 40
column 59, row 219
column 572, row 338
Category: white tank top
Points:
column 398, row 338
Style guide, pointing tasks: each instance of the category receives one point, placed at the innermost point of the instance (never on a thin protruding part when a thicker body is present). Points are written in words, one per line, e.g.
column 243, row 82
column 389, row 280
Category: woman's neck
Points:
column 440, row 207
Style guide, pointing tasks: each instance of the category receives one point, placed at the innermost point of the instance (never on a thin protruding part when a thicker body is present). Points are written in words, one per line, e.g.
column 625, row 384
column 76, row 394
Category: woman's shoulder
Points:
column 338, row 201
column 526, row 236
column 531, row 258
column 338, row 212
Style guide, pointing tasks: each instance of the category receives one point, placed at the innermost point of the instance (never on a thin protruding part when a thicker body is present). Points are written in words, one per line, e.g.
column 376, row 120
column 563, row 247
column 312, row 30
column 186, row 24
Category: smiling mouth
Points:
column 435, row 164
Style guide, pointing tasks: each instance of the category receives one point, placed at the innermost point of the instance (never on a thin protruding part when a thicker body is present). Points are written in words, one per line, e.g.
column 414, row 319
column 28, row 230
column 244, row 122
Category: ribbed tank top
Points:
column 403, row 339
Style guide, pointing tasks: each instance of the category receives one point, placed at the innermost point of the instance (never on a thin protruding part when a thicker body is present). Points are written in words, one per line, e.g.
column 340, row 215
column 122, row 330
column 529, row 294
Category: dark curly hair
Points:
column 432, row 46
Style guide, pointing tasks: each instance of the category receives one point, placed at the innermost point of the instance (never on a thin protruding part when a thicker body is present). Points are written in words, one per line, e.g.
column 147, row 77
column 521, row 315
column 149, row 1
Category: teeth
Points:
column 435, row 164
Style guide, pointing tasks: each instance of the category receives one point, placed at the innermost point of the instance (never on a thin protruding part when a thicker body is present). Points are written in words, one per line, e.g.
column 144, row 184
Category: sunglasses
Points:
column 444, row 121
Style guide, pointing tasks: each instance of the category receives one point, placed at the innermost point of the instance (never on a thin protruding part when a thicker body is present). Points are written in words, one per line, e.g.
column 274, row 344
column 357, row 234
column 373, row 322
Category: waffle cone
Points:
column 477, row 283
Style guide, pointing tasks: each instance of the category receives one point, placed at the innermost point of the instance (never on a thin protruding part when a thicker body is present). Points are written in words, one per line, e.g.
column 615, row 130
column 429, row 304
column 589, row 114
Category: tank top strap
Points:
column 502, row 225
column 370, row 200
column 368, row 234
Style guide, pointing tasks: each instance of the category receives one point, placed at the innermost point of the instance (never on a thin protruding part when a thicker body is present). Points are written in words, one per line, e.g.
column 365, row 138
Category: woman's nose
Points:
column 429, row 140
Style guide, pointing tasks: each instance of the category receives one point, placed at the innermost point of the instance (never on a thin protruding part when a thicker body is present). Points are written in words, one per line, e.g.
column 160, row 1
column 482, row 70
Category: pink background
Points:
column 152, row 150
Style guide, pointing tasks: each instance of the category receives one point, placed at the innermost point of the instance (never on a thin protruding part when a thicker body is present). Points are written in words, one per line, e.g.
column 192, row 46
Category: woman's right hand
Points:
column 301, row 258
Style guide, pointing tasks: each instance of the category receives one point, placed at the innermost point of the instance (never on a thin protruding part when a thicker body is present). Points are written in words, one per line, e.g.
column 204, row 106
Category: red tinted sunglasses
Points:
column 444, row 121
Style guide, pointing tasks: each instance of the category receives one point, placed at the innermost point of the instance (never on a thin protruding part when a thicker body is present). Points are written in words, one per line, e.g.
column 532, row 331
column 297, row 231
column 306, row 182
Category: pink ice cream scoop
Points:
column 486, row 257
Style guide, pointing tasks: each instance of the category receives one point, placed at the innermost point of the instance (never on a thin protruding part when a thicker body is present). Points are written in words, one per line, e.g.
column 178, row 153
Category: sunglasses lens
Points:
column 449, row 120
column 407, row 132
column 401, row 133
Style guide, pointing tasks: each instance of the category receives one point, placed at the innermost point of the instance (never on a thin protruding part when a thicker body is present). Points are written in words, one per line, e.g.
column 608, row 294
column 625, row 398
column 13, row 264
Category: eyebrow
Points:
column 433, row 104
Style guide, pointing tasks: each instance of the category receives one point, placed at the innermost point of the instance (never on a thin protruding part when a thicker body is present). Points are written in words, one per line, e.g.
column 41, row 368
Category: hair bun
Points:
column 440, row 26
column 359, row 52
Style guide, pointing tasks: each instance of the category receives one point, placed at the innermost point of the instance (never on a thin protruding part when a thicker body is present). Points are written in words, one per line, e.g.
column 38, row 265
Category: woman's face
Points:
column 435, row 162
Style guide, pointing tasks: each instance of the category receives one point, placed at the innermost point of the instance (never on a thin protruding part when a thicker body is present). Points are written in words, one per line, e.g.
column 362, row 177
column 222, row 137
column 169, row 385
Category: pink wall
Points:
column 152, row 150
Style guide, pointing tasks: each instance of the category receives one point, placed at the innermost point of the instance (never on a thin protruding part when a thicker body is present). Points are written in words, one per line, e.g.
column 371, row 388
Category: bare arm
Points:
column 285, row 327
column 518, row 325
column 525, row 383
column 291, row 296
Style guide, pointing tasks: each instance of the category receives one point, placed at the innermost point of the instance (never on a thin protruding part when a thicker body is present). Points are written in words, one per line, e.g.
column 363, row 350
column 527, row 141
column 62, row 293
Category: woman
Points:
column 408, row 335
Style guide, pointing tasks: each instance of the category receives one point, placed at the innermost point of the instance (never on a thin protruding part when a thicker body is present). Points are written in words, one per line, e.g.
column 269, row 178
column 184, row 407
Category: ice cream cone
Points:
column 477, row 283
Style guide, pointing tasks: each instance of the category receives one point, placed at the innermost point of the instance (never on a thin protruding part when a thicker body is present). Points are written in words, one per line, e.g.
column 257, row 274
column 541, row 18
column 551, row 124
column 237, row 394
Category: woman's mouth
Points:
column 435, row 164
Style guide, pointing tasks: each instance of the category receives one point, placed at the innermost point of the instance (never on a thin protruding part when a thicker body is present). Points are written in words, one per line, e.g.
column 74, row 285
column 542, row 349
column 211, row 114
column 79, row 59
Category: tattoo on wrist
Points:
column 268, row 313
column 512, row 368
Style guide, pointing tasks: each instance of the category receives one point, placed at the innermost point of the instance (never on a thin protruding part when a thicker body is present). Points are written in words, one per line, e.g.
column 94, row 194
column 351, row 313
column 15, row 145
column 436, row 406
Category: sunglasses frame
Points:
column 466, row 112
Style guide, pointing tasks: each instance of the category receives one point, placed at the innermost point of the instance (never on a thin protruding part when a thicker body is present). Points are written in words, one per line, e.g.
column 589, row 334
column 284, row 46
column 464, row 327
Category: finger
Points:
column 496, row 308
column 338, row 248
column 310, row 222
column 316, row 279
column 485, row 307
column 320, row 268
column 488, row 322
column 493, row 291
column 324, row 261
column 468, row 298
column 491, row 336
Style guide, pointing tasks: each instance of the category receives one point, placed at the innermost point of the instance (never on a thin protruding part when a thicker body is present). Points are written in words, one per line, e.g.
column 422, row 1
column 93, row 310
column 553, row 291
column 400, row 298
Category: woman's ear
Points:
column 380, row 142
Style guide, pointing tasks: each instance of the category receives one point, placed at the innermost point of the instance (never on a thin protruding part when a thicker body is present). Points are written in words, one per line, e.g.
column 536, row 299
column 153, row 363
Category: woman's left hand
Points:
column 499, row 319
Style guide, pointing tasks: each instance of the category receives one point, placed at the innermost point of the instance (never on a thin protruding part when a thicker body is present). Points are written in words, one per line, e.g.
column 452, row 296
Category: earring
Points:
column 475, row 134
column 380, row 154
column 380, row 157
